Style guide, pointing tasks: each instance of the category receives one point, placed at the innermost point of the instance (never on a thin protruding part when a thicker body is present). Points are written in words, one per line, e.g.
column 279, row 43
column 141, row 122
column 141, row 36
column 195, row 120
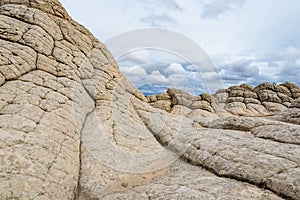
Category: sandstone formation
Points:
column 72, row 126
column 244, row 100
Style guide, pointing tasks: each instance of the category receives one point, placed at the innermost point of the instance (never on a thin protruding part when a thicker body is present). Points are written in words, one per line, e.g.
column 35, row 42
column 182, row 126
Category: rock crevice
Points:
column 72, row 126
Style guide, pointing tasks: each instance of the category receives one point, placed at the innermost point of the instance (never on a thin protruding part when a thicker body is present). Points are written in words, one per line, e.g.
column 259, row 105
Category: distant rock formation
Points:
column 243, row 100
column 72, row 126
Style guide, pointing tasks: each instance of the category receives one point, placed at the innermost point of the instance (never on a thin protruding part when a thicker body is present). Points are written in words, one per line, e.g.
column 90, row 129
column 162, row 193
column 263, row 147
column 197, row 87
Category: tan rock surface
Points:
column 73, row 127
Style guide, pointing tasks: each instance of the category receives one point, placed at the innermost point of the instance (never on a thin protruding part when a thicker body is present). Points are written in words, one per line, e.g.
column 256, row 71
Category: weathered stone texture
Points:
column 73, row 127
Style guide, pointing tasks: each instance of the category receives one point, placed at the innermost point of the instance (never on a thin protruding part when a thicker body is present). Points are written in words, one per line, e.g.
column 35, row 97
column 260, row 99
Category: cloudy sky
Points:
column 248, row 41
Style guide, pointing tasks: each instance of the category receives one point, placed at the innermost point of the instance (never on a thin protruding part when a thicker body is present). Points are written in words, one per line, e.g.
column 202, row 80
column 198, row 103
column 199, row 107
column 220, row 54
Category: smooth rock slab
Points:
column 183, row 181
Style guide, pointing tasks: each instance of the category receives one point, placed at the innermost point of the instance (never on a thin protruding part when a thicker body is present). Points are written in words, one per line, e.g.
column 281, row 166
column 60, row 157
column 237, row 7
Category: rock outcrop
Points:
column 73, row 127
column 243, row 100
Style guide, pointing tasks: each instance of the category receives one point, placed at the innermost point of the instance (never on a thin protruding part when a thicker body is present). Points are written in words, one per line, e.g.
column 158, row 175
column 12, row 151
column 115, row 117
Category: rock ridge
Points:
column 244, row 100
column 72, row 126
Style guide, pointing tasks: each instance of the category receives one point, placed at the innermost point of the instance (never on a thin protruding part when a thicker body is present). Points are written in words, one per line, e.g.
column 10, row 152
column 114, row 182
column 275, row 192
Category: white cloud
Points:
column 211, row 76
column 173, row 75
column 136, row 71
column 288, row 53
column 167, row 4
column 156, row 77
column 249, row 41
column 191, row 68
column 215, row 8
column 137, row 57
column 174, row 68
column 159, row 20
column 156, row 15
column 136, row 74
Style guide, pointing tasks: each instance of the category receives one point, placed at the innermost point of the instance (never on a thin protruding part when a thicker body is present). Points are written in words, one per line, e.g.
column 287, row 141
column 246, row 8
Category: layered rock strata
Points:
column 73, row 127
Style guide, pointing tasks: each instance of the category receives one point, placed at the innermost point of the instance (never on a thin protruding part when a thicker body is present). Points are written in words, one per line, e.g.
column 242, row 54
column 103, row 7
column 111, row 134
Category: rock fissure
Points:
column 54, row 75
column 77, row 190
column 239, row 179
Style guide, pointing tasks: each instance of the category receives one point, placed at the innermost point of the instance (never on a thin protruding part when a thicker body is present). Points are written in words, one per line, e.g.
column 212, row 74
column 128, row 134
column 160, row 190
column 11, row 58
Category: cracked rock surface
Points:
column 72, row 126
